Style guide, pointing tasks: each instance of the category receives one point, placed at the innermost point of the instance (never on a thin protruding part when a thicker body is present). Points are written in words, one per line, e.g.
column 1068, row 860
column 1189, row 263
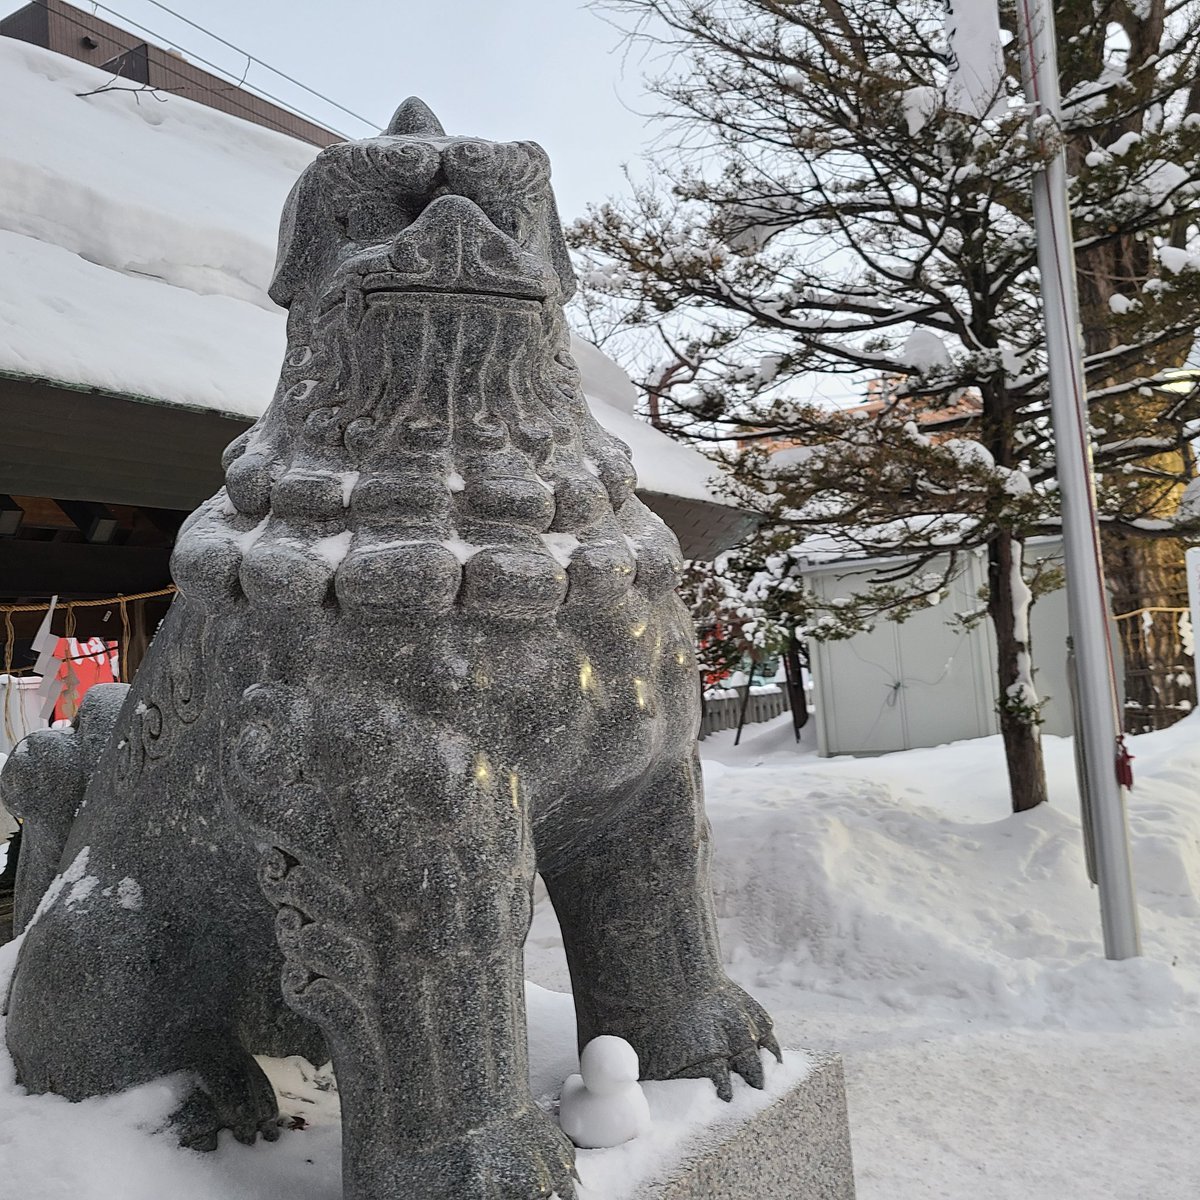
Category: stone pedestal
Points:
column 790, row 1141
column 796, row 1148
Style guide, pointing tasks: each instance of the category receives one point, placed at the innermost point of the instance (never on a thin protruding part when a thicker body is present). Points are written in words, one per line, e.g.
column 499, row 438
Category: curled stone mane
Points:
column 429, row 445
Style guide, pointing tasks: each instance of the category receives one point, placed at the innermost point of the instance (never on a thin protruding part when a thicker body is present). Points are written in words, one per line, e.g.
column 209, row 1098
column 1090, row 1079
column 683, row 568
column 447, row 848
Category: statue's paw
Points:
column 525, row 1157
column 716, row 1035
column 232, row 1094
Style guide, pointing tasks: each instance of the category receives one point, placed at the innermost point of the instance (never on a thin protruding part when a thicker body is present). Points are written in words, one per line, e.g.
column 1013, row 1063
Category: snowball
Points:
column 607, row 1065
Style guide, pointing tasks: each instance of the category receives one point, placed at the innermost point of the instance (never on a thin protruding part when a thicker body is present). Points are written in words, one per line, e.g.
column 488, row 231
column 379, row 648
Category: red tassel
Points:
column 1124, row 764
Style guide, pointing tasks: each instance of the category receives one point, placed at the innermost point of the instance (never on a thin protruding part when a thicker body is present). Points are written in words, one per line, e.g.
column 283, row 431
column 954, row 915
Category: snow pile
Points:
column 817, row 893
column 903, row 884
column 137, row 240
column 892, row 909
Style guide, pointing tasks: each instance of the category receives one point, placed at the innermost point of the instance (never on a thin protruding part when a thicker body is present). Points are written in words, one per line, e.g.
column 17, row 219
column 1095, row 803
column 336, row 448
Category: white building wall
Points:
column 924, row 682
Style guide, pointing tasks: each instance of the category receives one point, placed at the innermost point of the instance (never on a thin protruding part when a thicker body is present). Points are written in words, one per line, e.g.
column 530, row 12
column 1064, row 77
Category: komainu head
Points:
column 415, row 211
column 429, row 448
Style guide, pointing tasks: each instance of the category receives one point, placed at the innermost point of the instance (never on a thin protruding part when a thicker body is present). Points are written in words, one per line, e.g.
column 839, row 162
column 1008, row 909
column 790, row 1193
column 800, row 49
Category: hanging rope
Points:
column 20, row 608
column 10, row 641
column 121, row 601
column 123, row 660
column 1153, row 608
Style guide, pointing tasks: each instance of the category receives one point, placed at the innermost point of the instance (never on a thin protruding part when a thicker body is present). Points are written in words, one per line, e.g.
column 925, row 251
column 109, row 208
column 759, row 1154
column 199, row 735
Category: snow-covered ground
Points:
column 893, row 909
column 890, row 909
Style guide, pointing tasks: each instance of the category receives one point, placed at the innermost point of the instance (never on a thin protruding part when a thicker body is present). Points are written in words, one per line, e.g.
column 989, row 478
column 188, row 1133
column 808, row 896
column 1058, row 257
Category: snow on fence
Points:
column 722, row 707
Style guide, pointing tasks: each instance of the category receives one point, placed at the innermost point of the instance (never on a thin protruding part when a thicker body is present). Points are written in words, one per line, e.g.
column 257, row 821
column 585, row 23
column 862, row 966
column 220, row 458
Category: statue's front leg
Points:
column 402, row 915
column 635, row 907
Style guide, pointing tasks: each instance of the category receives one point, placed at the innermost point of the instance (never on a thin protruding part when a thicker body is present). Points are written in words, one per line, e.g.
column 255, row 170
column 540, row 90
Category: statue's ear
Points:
column 560, row 256
column 300, row 233
column 414, row 118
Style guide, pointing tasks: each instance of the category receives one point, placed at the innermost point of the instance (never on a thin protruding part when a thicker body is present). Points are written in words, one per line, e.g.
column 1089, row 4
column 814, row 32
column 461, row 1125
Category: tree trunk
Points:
column 1016, row 702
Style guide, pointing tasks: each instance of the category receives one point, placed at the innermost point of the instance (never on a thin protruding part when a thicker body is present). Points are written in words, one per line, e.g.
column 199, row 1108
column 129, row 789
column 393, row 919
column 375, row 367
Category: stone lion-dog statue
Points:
column 426, row 644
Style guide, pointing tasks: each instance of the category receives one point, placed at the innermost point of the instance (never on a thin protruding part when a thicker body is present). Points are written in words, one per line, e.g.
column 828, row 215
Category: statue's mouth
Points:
column 394, row 291
column 451, row 250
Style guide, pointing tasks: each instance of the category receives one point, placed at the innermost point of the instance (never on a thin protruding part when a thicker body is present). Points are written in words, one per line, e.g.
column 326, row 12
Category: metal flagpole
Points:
column 1098, row 715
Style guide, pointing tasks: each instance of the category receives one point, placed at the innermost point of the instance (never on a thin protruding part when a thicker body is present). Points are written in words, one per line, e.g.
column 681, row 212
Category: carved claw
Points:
column 233, row 1094
column 721, row 1033
column 767, row 1041
column 716, row 1069
column 749, row 1066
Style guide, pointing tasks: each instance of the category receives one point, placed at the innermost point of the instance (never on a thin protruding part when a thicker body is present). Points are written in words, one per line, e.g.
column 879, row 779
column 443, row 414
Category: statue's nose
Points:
column 452, row 246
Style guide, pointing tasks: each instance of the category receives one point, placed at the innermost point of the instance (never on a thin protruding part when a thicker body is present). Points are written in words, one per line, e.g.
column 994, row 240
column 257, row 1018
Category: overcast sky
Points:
column 549, row 70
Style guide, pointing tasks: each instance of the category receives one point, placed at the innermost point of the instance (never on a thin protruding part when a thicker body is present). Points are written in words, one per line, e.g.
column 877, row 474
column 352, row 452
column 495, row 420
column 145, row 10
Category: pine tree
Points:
column 821, row 212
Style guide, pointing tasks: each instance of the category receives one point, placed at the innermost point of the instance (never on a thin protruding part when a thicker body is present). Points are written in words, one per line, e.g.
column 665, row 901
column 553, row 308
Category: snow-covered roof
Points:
column 137, row 238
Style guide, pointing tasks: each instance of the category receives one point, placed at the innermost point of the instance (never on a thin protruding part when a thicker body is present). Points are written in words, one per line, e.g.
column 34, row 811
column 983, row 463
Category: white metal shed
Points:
column 924, row 681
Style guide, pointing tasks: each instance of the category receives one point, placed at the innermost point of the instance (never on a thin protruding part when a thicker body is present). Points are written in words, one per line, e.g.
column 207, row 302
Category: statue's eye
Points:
column 413, row 166
column 376, row 219
column 509, row 216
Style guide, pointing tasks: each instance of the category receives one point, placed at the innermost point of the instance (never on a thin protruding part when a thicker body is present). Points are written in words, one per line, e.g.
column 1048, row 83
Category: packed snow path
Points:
column 890, row 909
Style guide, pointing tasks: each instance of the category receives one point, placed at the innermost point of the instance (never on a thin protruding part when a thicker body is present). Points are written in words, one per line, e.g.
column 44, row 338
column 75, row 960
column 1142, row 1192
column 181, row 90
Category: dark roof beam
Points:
column 97, row 523
column 11, row 516
column 166, row 520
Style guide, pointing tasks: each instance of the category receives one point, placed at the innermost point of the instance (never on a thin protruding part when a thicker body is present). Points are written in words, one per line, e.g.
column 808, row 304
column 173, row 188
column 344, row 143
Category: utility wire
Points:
column 262, row 92
column 230, row 97
column 273, row 70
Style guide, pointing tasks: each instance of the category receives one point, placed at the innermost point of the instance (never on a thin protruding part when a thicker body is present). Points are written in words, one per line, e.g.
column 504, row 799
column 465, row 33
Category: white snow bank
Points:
column 141, row 186
column 606, row 382
column 68, row 320
column 903, row 882
column 137, row 240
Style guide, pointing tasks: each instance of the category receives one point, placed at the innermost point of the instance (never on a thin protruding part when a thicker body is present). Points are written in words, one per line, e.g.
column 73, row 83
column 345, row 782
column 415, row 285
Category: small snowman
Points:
column 604, row 1105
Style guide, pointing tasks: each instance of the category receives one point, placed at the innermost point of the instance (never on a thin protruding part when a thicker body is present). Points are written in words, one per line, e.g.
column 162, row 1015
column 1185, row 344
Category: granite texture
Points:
column 43, row 784
column 797, row 1148
column 427, row 641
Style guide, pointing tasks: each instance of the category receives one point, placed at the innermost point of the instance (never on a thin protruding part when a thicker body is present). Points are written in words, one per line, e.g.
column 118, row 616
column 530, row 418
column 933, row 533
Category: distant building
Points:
column 930, row 679
column 938, row 419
